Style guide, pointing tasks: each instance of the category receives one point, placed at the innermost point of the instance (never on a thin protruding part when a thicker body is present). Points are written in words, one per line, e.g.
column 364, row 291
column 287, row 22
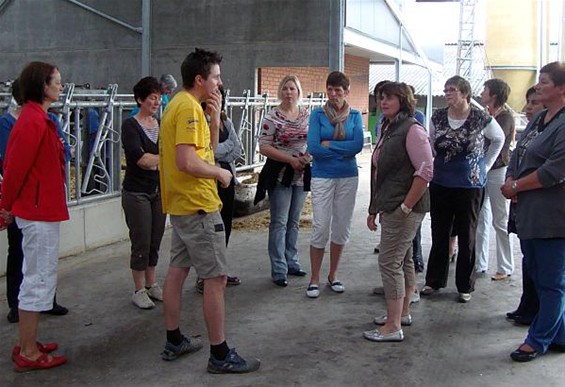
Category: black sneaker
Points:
column 58, row 310
column 200, row 286
column 13, row 316
column 233, row 364
column 173, row 352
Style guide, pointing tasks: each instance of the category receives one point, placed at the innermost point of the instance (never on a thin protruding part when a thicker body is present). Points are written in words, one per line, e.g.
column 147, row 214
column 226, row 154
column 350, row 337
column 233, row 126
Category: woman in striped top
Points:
column 141, row 198
column 283, row 142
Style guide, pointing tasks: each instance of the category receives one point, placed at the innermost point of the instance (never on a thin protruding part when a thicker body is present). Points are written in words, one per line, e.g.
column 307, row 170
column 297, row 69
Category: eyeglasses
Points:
column 450, row 90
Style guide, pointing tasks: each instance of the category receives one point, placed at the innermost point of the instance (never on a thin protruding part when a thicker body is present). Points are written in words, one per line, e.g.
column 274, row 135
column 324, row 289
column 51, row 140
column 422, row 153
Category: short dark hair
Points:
column 531, row 90
column 16, row 92
column 378, row 88
column 33, row 79
column 145, row 87
column 337, row 78
column 198, row 62
column 556, row 72
column 462, row 85
column 498, row 88
column 404, row 94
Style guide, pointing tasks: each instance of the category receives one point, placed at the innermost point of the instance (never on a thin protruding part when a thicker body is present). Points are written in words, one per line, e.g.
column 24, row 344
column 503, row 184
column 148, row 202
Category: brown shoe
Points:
column 499, row 276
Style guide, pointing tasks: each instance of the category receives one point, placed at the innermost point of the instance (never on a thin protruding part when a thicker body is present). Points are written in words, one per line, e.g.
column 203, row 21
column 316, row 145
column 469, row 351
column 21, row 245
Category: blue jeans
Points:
column 545, row 261
column 286, row 205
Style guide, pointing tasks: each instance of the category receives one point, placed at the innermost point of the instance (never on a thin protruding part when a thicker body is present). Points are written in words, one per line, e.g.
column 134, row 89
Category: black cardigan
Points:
column 135, row 143
column 270, row 173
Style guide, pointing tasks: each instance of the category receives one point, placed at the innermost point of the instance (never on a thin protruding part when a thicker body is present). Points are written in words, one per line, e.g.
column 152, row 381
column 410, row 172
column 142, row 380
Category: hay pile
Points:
column 260, row 221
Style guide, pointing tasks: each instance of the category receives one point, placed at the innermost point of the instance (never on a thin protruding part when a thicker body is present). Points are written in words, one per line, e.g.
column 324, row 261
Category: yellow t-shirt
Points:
column 184, row 122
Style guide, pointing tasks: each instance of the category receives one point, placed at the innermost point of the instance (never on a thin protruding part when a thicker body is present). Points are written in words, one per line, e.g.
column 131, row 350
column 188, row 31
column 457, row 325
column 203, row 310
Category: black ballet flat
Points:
column 281, row 282
column 522, row 356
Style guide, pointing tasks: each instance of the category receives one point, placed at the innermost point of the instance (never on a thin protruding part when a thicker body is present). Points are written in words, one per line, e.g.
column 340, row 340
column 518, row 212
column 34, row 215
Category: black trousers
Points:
column 417, row 246
column 453, row 207
column 14, row 275
column 227, row 196
column 529, row 302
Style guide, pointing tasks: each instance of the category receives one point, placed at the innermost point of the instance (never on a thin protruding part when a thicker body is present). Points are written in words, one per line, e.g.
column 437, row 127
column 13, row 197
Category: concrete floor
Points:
column 301, row 342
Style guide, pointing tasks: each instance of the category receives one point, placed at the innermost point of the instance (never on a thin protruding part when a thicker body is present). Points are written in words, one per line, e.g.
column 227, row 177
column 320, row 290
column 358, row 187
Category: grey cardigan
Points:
column 540, row 213
column 230, row 150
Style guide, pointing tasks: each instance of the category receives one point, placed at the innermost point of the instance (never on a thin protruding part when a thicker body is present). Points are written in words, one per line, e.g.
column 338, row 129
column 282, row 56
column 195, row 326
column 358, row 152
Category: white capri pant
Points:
column 333, row 201
column 40, row 245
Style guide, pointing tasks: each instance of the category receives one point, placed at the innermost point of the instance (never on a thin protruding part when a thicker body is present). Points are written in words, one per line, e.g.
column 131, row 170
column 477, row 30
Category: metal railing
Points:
column 91, row 121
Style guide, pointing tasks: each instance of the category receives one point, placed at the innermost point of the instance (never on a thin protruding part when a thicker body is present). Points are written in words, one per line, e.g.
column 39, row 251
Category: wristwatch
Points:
column 405, row 209
column 514, row 185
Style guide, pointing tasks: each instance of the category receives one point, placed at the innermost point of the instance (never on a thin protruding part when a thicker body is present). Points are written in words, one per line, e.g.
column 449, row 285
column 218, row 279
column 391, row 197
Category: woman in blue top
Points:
column 335, row 136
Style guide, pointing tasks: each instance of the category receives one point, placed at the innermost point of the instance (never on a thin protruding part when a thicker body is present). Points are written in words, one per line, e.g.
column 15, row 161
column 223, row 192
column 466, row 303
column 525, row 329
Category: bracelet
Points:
column 514, row 185
column 405, row 209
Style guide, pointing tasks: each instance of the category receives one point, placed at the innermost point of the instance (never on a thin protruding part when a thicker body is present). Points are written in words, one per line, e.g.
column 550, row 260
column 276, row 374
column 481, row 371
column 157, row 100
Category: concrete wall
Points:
column 90, row 225
column 88, row 48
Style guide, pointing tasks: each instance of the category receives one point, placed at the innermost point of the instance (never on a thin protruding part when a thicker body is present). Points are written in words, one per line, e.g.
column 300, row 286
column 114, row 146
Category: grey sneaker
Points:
column 233, row 364
column 379, row 290
column 404, row 320
column 188, row 345
column 415, row 297
column 141, row 299
column 464, row 297
column 155, row 292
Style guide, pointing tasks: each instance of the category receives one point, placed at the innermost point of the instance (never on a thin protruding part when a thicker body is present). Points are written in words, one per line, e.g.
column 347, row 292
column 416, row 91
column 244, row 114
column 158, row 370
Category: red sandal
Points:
column 43, row 348
column 43, row 362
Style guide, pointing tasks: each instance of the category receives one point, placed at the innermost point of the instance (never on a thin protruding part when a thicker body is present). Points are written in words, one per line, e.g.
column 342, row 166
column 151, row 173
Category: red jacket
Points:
column 34, row 169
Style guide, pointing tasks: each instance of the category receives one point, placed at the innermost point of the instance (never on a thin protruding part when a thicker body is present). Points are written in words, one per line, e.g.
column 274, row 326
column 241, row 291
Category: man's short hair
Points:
column 198, row 62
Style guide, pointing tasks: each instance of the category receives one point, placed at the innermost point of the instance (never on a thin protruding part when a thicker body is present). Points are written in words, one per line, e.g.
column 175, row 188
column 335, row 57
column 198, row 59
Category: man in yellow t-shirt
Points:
column 189, row 195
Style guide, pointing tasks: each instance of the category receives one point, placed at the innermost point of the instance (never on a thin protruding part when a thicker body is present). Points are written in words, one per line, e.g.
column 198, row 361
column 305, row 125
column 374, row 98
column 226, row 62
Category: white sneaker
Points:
column 141, row 299
column 155, row 292
column 415, row 297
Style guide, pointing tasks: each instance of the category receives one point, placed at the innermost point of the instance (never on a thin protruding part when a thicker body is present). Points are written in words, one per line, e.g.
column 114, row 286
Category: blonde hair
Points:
column 283, row 82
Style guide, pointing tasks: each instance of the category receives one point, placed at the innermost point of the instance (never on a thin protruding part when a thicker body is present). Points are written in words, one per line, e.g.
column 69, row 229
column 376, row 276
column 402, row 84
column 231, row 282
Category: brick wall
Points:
column 313, row 80
column 357, row 69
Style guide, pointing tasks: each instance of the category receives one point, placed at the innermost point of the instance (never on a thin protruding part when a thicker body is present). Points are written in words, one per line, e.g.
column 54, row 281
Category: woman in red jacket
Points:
column 33, row 192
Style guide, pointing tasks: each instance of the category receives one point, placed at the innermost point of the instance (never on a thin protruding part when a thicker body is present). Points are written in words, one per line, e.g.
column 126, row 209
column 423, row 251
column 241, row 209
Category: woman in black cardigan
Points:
column 141, row 199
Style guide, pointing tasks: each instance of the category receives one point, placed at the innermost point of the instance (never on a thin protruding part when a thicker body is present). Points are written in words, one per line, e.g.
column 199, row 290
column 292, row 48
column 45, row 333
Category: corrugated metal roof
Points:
column 418, row 76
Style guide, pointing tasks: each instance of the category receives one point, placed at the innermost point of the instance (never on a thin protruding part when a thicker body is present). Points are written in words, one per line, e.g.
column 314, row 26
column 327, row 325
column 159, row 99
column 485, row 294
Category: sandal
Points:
column 499, row 276
column 43, row 348
column 233, row 281
column 43, row 362
column 427, row 290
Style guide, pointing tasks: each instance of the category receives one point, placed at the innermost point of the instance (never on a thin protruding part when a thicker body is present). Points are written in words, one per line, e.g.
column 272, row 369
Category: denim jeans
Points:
column 286, row 205
column 545, row 260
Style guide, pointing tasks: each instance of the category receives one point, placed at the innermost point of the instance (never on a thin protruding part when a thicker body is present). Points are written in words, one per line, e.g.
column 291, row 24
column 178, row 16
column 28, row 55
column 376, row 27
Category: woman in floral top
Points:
column 283, row 142
column 457, row 191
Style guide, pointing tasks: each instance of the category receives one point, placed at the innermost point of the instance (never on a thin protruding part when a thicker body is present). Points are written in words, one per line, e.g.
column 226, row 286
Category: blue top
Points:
column 7, row 122
column 459, row 160
column 420, row 117
column 337, row 160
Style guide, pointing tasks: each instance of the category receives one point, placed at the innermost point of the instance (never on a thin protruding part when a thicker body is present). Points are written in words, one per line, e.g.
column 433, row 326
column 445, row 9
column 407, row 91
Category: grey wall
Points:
column 89, row 48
